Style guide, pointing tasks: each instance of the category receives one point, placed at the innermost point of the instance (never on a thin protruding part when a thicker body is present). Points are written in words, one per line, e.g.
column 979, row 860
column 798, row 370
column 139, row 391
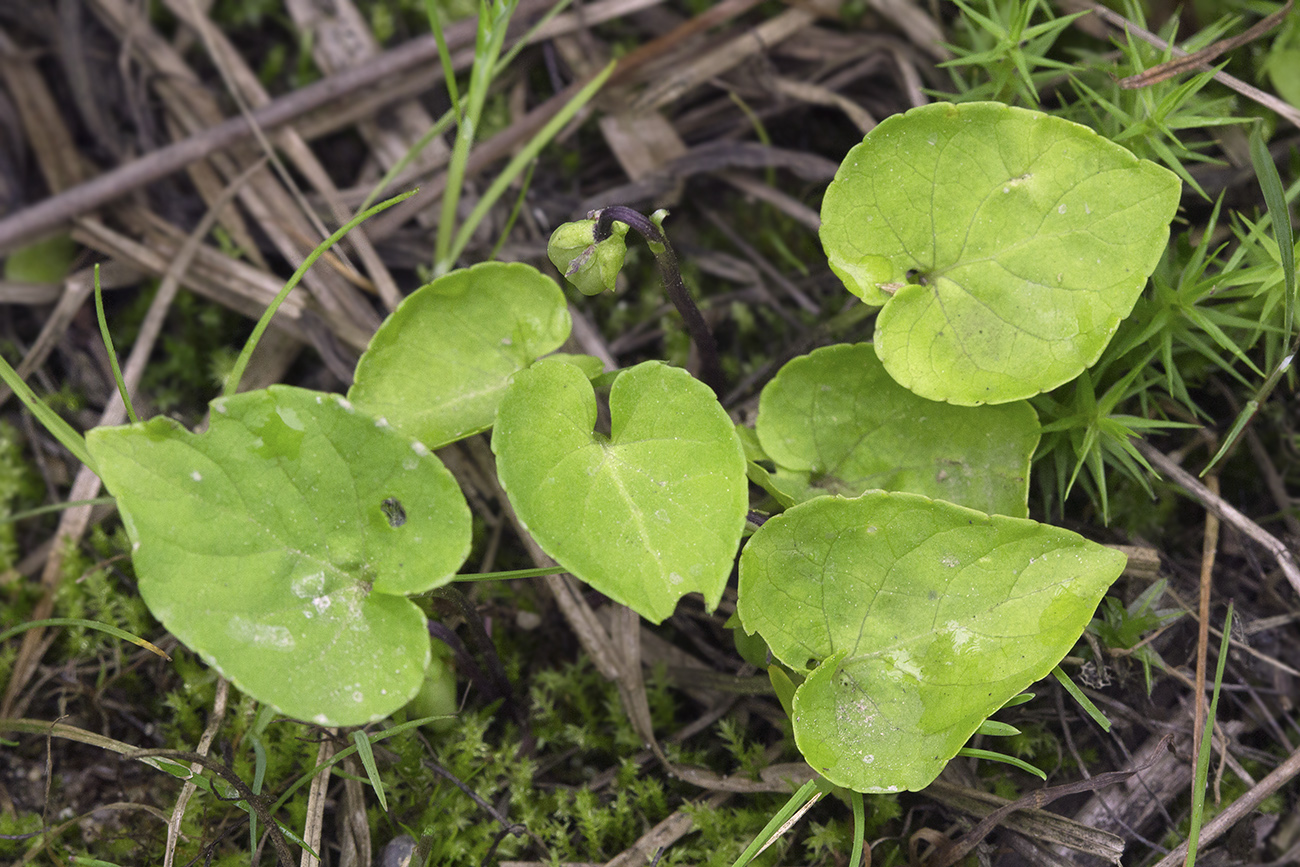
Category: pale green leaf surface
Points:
column 281, row 543
column 646, row 515
column 438, row 366
column 1005, row 245
column 916, row 620
column 836, row 423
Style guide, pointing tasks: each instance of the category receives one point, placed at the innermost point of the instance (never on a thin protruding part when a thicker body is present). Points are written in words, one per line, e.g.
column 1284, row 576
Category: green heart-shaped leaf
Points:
column 836, row 423
column 649, row 513
column 438, row 366
column 917, row 619
column 281, row 543
column 1006, row 245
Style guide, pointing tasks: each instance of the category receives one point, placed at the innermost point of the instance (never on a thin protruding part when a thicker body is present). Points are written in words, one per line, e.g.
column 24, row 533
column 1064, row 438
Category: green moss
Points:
column 95, row 587
column 20, row 488
column 197, row 346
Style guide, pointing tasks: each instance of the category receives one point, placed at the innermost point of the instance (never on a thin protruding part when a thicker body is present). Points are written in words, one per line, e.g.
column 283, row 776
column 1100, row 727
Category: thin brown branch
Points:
column 1203, row 495
column 1201, row 59
column 46, row 216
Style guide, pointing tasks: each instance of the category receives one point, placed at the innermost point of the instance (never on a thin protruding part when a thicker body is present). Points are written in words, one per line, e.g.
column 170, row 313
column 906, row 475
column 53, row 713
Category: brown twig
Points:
column 188, row 790
column 47, row 215
column 1287, row 111
column 1201, row 59
column 955, row 851
column 1226, row 513
column 1238, row 809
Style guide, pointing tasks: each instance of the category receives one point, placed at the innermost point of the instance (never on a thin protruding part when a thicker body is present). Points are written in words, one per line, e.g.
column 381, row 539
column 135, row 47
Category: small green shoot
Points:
column 1007, row 49
column 1128, row 627
column 518, row 163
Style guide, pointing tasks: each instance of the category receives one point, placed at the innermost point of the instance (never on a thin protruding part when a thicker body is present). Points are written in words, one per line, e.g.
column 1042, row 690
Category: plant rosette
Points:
column 281, row 544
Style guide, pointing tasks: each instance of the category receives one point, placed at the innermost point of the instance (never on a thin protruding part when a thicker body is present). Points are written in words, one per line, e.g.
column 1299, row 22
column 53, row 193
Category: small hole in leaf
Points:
column 394, row 512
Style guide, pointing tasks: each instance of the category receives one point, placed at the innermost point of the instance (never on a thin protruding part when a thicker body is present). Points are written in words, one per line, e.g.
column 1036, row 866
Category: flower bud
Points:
column 589, row 266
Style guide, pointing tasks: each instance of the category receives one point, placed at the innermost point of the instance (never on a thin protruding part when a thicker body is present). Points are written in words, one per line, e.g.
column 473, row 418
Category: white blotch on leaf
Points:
column 196, row 476
column 260, row 634
column 307, row 586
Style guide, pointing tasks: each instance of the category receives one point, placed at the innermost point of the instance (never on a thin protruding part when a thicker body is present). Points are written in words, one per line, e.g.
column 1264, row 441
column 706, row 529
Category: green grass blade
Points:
column 57, row 507
column 1203, row 758
column 87, row 624
column 259, row 775
column 993, row 728
column 514, row 212
column 343, row 754
column 49, row 419
column 112, row 353
column 991, row 756
column 444, row 55
column 241, row 363
column 523, row 158
column 439, row 127
column 512, row 573
column 801, row 800
column 1243, row 417
column 362, row 740
column 487, row 48
column 1275, row 198
column 1077, row 694
column 442, row 124
column 859, row 829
